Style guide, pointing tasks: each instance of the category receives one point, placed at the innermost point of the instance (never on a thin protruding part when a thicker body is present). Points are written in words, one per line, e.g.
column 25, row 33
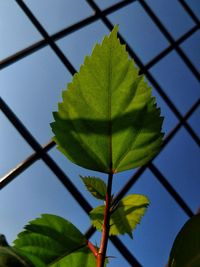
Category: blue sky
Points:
column 32, row 88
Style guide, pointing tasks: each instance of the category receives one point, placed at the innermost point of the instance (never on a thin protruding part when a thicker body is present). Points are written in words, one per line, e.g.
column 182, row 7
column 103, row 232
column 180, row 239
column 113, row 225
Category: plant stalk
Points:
column 92, row 248
column 106, row 225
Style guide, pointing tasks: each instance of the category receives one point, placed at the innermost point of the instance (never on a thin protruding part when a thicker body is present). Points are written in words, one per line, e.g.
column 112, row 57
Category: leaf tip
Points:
column 114, row 31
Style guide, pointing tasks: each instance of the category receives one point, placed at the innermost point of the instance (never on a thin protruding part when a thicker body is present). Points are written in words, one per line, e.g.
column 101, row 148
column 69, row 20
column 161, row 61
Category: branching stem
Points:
column 106, row 224
column 92, row 248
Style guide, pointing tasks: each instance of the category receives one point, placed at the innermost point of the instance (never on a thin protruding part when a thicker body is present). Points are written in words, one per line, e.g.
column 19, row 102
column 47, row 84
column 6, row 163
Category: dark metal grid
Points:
column 41, row 152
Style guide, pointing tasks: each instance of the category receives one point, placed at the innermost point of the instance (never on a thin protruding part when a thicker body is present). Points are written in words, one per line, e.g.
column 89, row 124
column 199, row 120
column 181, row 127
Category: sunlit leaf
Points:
column 108, row 120
column 186, row 248
column 51, row 240
column 125, row 217
column 95, row 186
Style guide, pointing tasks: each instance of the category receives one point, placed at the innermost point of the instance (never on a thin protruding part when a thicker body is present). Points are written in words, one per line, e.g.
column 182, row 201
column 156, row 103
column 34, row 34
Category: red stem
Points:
column 106, row 225
column 92, row 248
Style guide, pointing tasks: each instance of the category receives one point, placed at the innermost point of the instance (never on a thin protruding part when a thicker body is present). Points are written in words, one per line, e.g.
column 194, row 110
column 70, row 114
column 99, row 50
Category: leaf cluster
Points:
column 109, row 122
column 125, row 215
column 55, row 242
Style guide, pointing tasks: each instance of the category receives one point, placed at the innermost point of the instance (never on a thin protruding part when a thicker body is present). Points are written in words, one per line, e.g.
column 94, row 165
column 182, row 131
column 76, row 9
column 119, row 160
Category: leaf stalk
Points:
column 106, row 224
column 92, row 248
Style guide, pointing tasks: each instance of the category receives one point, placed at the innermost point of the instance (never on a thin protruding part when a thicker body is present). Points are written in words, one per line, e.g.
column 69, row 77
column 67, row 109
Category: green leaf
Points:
column 81, row 257
column 108, row 120
column 186, row 248
column 50, row 240
column 125, row 217
column 11, row 258
column 95, row 186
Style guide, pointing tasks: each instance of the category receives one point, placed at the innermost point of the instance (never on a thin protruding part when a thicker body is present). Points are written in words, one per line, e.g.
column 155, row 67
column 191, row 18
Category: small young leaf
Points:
column 125, row 217
column 108, row 120
column 49, row 239
column 186, row 248
column 95, row 186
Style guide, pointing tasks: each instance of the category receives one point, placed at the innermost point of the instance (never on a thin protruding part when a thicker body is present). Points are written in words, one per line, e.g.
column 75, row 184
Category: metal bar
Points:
column 160, row 177
column 190, row 12
column 170, row 39
column 46, row 36
column 75, row 27
column 11, row 175
column 60, row 34
column 125, row 252
column 170, row 48
column 63, row 178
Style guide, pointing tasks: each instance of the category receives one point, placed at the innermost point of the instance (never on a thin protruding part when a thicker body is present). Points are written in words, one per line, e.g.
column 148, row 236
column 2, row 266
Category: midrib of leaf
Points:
column 110, row 112
column 110, row 109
